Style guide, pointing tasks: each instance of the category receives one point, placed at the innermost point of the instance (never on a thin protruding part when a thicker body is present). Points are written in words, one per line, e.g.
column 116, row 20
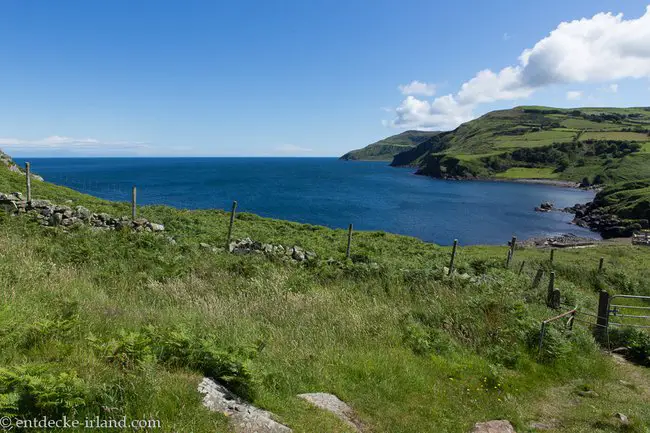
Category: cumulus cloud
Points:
column 603, row 48
column 613, row 88
column 573, row 95
column 417, row 88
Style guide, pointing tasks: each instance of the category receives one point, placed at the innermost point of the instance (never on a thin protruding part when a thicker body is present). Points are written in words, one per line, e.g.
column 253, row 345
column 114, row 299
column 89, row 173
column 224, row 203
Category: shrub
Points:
column 35, row 391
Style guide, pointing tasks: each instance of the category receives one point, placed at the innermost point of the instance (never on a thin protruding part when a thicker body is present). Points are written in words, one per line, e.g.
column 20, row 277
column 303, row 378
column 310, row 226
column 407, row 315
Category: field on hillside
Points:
column 114, row 323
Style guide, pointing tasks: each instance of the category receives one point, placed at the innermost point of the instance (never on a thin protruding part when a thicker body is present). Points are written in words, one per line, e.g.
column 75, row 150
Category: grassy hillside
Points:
column 603, row 145
column 115, row 323
column 386, row 149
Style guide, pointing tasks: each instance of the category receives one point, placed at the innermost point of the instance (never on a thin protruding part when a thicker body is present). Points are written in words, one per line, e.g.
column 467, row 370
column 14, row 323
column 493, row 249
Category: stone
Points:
column 622, row 418
column 588, row 393
column 39, row 204
column 244, row 417
column 82, row 212
column 333, row 404
column 298, row 254
column 8, row 206
column 157, row 227
column 56, row 219
column 496, row 426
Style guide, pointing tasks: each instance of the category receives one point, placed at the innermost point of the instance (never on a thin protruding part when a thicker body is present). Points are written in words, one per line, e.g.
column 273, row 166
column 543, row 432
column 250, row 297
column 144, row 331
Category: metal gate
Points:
column 629, row 311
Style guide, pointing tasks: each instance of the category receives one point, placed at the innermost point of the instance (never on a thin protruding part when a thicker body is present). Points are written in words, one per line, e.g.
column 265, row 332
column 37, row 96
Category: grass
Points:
column 411, row 350
column 614, row 135
column 529, row 173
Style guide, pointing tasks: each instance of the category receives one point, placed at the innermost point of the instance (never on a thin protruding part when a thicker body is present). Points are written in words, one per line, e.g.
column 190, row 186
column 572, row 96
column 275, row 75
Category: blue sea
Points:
column 329, row 192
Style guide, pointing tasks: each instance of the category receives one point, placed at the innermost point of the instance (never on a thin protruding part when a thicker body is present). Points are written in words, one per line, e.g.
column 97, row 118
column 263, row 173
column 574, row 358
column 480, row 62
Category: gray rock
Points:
column 589, row 393
column 298, row 254
column 622, row 418
column 496, row 426
column 333, row 404
column 157, row 227
column 244, row 417
column 82, row 213
column 56, row 219
column 46, row 211
column 39, row 204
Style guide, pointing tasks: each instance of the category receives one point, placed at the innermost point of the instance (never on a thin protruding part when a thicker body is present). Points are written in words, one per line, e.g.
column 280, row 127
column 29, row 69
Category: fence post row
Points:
column 232, row 222
column 133, row 203
column 552, row 254
column 453, row 257
column 28, row 175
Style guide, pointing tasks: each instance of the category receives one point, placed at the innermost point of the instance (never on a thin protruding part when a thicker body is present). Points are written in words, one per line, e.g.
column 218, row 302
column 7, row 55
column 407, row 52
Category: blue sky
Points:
column 296, row 78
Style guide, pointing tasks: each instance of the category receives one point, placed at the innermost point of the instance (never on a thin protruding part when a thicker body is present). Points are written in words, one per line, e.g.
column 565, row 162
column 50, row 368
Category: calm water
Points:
column 325, row 191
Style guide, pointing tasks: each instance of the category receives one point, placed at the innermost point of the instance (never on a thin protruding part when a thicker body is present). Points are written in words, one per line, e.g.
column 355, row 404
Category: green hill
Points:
column 595, row 145
column 386, row 149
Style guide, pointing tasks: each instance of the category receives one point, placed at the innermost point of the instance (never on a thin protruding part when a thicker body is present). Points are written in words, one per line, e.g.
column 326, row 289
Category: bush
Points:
column 180, row 349
column 36, row 391
column 636, row 341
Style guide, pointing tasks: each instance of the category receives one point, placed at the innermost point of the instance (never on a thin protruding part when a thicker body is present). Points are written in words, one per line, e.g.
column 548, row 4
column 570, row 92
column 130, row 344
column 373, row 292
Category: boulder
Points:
column 243, row 416
column 496, row 426
column 82, row 212
column 333, row 404
column 156, row 227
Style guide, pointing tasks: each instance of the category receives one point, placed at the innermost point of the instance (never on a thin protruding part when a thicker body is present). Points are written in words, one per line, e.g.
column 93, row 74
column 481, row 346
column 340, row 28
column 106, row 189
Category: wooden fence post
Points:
column 552, row 254
column 453, row 257
column 538, row 278
column 28, row 175
column 232, row 222
column 602, row 321
column 511, row 253
column 133, row 203
column 521, row 268
column 600, row 265
column 551, row 288
column 347, row 251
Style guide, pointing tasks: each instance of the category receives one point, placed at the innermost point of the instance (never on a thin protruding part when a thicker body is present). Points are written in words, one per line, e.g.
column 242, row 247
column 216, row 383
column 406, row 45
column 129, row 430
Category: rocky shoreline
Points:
column 591, row 216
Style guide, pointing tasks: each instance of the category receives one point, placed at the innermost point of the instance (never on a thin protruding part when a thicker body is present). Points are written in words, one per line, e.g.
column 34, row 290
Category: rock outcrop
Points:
column 244, row 417
column 597, row 219
column 52, row 215
column 333, row 404
column 497, row 426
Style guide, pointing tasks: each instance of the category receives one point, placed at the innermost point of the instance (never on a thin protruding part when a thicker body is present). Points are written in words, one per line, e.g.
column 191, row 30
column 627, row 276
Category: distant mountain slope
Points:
column 594, row 145
column 386, row 149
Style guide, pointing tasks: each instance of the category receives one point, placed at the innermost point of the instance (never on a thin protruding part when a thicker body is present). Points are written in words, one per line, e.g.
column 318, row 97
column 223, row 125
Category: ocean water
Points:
column 329, row 192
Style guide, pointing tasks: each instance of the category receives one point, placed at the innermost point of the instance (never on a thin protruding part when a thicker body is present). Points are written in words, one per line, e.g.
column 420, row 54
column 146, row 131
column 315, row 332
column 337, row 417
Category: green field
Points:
column 528, row 173
column 614, row 135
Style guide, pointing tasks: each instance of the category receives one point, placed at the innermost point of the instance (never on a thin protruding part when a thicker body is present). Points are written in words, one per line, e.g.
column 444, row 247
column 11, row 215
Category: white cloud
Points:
column 443, row 113
column 291, row 149
column 506, row 36
column 417, row 88
column 603, row 48
column 573, row 95
column 54, row 142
